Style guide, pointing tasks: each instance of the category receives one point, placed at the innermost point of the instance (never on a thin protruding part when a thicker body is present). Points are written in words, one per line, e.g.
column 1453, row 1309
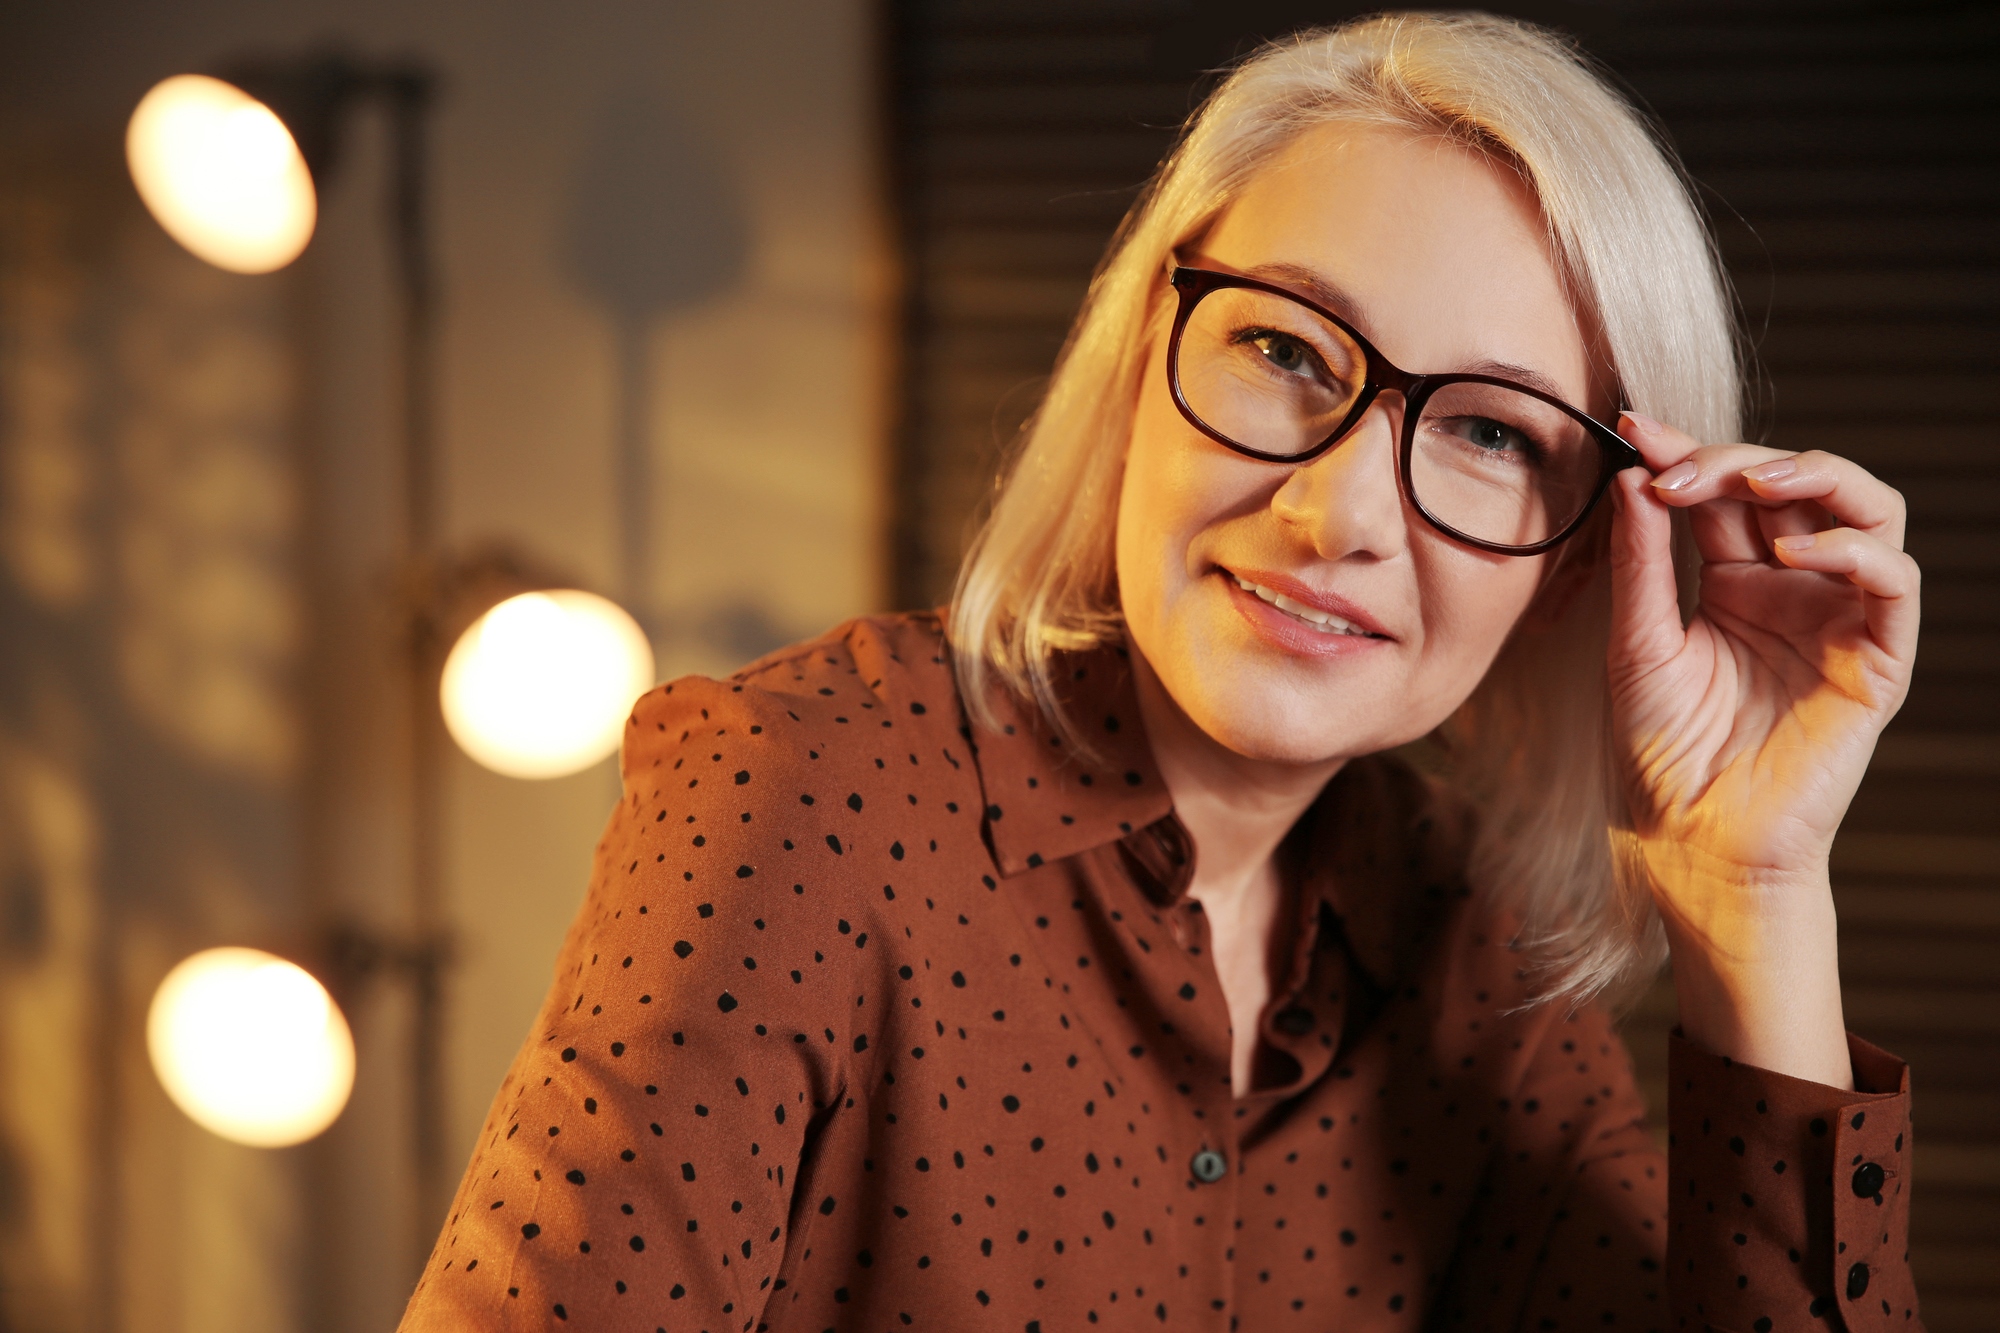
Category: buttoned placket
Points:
column 1160, row 857
column 1297, row 1021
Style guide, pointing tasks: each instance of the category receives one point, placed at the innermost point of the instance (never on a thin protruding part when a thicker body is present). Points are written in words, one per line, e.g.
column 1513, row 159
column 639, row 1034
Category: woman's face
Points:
column 1439, row 259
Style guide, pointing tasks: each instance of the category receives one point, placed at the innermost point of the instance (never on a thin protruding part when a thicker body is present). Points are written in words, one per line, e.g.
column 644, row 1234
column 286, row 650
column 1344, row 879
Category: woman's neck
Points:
column 1236, row 810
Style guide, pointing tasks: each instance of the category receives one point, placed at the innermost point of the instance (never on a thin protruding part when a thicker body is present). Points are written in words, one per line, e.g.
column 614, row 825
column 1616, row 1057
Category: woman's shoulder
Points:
column 779, row 801
column 898, row 658
column 869, row 675
column 841, row 705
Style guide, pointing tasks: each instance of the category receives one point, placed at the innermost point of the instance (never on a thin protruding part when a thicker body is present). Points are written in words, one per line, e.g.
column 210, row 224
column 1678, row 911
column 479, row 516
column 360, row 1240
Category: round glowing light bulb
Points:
column 251, row 1047
column 541, row 685
column 221, row 173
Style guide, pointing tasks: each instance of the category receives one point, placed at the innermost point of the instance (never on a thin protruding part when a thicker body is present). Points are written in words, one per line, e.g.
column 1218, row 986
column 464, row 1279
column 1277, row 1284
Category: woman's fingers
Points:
column 1845, row 489
column 1750, row 503
column 1708, row 483
column 1772, row 479
column 1888, row 578
column 1688, row 474
column 1714, row 472
column 1686, row 471
column 1645, row 607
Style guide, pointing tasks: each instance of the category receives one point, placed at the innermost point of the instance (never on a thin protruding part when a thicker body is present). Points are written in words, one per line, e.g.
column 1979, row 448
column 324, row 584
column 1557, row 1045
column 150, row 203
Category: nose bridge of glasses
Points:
column 1383, row 381
column 1378, row 402
column 1376, row 419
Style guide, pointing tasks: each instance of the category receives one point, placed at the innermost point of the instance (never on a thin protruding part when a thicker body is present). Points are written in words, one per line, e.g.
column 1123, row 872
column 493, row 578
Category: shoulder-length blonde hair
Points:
column 1530, row 749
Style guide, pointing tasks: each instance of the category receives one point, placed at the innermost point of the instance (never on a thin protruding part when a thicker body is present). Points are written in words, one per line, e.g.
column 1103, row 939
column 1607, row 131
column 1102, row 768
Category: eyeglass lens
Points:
column 1493, row 463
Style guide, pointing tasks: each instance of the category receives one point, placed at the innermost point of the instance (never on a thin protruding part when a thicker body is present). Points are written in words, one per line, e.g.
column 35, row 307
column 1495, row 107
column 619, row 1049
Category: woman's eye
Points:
column 1286, row 353
column 1495, row 436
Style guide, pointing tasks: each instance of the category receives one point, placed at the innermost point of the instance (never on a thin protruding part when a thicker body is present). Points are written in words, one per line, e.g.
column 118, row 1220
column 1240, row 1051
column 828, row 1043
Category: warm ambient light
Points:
column 251, row 1047
column 221, row 173
column 541, row 685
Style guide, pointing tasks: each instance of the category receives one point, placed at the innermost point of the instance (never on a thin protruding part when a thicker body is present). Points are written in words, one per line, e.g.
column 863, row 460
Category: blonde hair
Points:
column 1530, row 749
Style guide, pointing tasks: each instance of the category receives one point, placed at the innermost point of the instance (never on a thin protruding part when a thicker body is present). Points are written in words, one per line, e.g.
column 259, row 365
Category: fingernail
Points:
column 1774, row 470
column 1675, row 477
column 1800, row 543
column 1644, row 423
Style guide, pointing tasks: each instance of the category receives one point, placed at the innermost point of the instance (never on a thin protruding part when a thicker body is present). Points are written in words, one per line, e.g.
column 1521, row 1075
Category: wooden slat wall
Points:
column 1849, row 151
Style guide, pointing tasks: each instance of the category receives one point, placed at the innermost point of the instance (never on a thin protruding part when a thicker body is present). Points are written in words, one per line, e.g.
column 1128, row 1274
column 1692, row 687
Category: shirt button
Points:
column 1294, row 1022
column 1857, row 1282
column 1868, row 1180
column 1208, row 1166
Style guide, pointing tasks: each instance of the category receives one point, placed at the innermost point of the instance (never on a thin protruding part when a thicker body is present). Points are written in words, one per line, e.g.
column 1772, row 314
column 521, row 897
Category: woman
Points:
column 1115, row 958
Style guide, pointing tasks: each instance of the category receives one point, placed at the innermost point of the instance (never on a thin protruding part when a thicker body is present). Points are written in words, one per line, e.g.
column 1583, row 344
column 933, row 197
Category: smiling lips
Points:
column 1312, row 617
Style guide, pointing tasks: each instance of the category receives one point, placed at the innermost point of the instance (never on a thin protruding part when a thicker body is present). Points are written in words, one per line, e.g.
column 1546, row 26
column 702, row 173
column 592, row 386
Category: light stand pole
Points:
column 409, row 94
column 312, row 97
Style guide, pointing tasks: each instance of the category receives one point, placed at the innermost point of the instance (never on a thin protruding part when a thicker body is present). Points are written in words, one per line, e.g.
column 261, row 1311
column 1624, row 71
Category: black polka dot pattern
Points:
column 1791, row 1200
column 872, row 1020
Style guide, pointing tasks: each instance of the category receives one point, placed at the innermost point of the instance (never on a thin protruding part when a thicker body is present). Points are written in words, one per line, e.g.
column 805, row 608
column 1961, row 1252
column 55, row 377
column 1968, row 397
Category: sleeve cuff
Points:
column 1788, row 1200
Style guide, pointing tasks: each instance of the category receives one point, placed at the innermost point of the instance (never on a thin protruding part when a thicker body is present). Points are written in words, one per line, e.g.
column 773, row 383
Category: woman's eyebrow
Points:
column 1507, row 370
column 1304, row 280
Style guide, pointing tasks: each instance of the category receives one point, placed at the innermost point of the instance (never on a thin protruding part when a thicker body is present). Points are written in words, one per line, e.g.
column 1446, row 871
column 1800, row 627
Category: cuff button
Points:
column 1868, row 1180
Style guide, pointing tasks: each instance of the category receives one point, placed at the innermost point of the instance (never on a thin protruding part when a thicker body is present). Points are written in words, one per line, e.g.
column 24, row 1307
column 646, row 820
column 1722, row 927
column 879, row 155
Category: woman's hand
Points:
column 1745, row 733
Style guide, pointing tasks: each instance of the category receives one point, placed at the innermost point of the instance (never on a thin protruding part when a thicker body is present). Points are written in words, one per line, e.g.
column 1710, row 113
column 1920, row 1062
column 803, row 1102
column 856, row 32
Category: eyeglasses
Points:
column 1488, row 462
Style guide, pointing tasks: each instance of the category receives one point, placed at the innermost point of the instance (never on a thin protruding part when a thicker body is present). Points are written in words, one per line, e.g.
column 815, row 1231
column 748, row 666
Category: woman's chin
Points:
column 1270, row 705
column 1276, row 725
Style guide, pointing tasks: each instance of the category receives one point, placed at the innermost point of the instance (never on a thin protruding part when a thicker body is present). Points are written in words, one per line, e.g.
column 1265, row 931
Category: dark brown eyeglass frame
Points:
column 1192, row 284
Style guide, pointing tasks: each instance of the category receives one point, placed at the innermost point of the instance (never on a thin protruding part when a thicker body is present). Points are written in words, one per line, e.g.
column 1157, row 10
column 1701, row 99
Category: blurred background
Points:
column 727, row 312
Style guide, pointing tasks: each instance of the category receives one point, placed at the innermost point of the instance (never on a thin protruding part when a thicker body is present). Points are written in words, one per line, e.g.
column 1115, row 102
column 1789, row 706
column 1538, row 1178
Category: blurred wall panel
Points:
column 150, row 739
column 664, row 289
column 1846, row 150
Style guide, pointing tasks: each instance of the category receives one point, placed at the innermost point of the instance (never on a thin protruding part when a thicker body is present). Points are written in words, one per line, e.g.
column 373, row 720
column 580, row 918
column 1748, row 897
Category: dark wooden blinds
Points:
column 1848, row 153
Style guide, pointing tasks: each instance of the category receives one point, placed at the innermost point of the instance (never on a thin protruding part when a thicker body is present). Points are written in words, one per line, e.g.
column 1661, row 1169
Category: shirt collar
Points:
column 1383, row 850
column 1379, row 848
column 1046, row 798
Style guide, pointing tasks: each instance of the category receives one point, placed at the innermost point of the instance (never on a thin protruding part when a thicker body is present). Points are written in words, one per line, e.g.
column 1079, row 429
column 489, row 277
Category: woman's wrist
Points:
column 1757, row 969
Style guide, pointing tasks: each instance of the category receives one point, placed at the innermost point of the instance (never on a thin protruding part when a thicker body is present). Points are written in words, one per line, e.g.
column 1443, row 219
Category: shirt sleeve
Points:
column 1790, row 1200
column 1779, row 1204
column 637, row 1167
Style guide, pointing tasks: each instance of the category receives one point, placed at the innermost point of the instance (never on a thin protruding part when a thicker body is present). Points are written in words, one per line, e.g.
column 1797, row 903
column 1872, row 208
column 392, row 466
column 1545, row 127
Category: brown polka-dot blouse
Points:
column 875, row 1021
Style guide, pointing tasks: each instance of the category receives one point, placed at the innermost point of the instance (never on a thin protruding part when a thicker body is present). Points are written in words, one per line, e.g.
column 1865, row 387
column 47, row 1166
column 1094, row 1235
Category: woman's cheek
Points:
column 1154, row 526
column 1139, row 552
column 1473, row 601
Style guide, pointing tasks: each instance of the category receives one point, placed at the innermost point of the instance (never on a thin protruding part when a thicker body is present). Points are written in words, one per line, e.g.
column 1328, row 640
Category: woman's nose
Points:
column 1347, row 502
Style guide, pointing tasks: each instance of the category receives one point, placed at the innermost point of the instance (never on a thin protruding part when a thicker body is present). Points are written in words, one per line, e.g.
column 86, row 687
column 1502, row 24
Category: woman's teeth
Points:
column 1323, row 621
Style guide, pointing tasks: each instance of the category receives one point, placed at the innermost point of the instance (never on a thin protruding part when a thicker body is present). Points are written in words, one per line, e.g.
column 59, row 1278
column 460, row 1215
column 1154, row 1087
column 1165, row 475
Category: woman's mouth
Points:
column 1323, row 622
